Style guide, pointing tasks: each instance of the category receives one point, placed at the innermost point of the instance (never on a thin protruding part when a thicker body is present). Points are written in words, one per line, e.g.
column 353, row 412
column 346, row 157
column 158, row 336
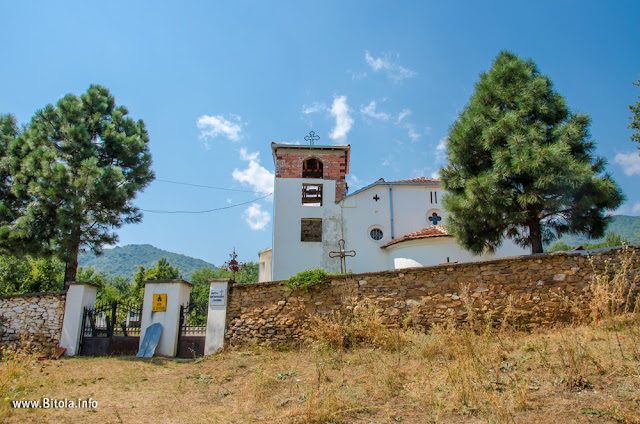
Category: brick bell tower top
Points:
column 326, row 162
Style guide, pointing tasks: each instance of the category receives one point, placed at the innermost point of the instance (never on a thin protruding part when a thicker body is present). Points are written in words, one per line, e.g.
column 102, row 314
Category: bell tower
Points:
column 310, row 182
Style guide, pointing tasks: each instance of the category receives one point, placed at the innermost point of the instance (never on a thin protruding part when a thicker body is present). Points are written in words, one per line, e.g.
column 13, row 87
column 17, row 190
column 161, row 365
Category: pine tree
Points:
column 78, row 166
column 520, row 164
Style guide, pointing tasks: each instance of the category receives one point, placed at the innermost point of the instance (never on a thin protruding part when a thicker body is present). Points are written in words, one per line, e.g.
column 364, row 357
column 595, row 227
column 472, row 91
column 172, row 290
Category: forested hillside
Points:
column 123, row 261
column 627, row 227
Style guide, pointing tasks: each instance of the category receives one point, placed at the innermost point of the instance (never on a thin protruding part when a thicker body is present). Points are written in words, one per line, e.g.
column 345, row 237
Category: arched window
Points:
column 312, row 168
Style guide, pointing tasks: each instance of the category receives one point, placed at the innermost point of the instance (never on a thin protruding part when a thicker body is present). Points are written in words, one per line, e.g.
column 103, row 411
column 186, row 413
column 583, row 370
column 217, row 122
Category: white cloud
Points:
column 627, row 209
column 248, row 156
column 313, row 108
column 393, row 70
column 255, row 175
column 413, row 134
column 344, row 122
column 256, row 217
column 435, row 174
column 357, row 75
column 403, row 114
column 214, row 126
column 630, row 162
column 354, row 183
column 441, row 149
column 371, row 112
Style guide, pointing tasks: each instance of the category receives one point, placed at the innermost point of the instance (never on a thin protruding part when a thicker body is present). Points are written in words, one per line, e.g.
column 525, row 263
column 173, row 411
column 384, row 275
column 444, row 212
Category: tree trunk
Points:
column 535, row 235
column 71, row 265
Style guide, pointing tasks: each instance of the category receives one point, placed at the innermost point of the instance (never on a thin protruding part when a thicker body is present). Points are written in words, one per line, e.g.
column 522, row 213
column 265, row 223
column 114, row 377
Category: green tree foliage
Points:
column 162, row 271
column 111, row 288
column 559, row 246
column 75, row 170
column 29, row 275
column 200, row 279
column 520, row 164
column 635, row 118
column 15, row 242
column 611, row 240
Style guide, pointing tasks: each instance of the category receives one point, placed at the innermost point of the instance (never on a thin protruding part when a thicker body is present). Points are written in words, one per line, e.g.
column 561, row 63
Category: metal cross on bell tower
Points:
column 342, row 254
column 312, row 137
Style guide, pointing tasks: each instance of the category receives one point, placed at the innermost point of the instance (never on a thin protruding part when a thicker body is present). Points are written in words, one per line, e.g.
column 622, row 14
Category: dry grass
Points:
column 359, row 371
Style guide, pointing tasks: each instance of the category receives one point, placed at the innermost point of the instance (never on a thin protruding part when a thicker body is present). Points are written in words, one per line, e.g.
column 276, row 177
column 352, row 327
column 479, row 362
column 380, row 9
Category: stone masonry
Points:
column 536, row 290
column 35, row 315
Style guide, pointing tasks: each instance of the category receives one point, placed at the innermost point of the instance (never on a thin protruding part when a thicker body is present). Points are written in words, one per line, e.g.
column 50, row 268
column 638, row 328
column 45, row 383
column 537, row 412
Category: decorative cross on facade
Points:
column 312, row 137
column 342, row 254
column 435, row 219
column 376, row 197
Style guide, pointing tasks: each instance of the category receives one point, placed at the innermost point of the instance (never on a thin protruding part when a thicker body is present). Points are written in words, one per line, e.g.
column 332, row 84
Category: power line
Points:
column 211, row 187
column 207, row 211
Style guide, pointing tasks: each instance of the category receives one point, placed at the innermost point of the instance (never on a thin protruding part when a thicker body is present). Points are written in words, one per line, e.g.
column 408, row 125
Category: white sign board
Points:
column 217, row 297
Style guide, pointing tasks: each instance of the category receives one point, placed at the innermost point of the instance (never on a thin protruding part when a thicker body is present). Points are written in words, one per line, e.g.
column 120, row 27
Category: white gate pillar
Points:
column 79, row 295
column 176, row 293
column 217, row 315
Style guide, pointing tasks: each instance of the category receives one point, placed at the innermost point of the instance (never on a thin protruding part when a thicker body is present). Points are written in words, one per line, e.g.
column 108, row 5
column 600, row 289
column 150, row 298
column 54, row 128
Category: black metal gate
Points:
column 192, row 330
column 111, row 329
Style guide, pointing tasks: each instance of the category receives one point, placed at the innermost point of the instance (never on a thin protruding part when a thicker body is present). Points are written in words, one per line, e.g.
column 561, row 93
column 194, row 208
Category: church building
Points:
column 385, row 225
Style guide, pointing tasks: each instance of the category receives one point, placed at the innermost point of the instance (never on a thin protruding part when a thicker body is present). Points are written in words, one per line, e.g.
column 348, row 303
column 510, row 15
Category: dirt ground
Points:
column 568, row 375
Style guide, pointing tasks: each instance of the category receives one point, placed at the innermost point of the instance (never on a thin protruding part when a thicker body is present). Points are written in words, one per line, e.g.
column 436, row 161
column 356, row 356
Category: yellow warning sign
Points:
column 159, row 302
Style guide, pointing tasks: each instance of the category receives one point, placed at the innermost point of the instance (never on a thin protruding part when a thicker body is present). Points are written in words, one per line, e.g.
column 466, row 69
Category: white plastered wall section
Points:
column 412, row 206
column 354, row 218
column 437, row 250
column 290, row 254
column 362, row 212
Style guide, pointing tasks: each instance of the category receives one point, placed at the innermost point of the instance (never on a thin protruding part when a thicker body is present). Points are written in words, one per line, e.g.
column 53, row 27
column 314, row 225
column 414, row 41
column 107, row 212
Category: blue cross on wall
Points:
column 435, row 219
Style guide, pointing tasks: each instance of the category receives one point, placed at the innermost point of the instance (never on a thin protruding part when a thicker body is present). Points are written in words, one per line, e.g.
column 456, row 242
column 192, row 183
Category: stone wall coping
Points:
column 519, row 258
column 221, row 280
column 49, row 293
column 167, row 281
column 83, row 283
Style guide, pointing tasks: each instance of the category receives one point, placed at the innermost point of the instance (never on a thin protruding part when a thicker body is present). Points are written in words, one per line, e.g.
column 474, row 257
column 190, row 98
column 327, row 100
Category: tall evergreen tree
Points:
column 76, row 167
column 520, row 164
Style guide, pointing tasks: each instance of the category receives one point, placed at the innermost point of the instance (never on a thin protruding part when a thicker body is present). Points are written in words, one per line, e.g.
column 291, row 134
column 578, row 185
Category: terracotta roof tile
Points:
column 418, row 180
column 428, row 232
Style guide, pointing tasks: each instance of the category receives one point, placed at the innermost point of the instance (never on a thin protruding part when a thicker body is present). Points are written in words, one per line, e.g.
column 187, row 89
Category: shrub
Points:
column 306, row 279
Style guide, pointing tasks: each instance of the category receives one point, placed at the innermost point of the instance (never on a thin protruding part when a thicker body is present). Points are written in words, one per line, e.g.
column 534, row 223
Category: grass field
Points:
column 582, row 374
column 355, row 370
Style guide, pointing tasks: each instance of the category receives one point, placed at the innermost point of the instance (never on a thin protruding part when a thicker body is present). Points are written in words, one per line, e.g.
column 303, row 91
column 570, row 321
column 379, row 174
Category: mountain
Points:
column 123, row 261
column 628, row 227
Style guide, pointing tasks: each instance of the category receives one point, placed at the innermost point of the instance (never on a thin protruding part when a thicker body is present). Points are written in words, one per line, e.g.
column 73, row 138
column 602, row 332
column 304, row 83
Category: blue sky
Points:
column 217, row 82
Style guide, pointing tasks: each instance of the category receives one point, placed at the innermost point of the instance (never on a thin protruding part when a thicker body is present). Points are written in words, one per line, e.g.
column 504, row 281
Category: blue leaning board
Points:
column 150, row 341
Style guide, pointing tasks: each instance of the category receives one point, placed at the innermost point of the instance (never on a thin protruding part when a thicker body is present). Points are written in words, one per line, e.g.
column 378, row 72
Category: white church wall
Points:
column 291, row 255
column 365, row 214
column 264, row 265
column 410, row 206
column 437, row 250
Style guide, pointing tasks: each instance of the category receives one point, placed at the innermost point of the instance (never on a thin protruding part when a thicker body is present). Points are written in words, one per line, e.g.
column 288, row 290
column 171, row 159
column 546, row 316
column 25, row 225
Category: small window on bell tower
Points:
column 312, row 168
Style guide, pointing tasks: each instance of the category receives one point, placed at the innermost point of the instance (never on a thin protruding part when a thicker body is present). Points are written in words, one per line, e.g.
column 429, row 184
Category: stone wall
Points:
column 36, row 315
column 536, row 290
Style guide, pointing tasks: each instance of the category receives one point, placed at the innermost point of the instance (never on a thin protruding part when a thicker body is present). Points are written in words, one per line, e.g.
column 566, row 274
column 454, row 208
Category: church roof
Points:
column 412, row 181
column 418, row 180
column 428, row 232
